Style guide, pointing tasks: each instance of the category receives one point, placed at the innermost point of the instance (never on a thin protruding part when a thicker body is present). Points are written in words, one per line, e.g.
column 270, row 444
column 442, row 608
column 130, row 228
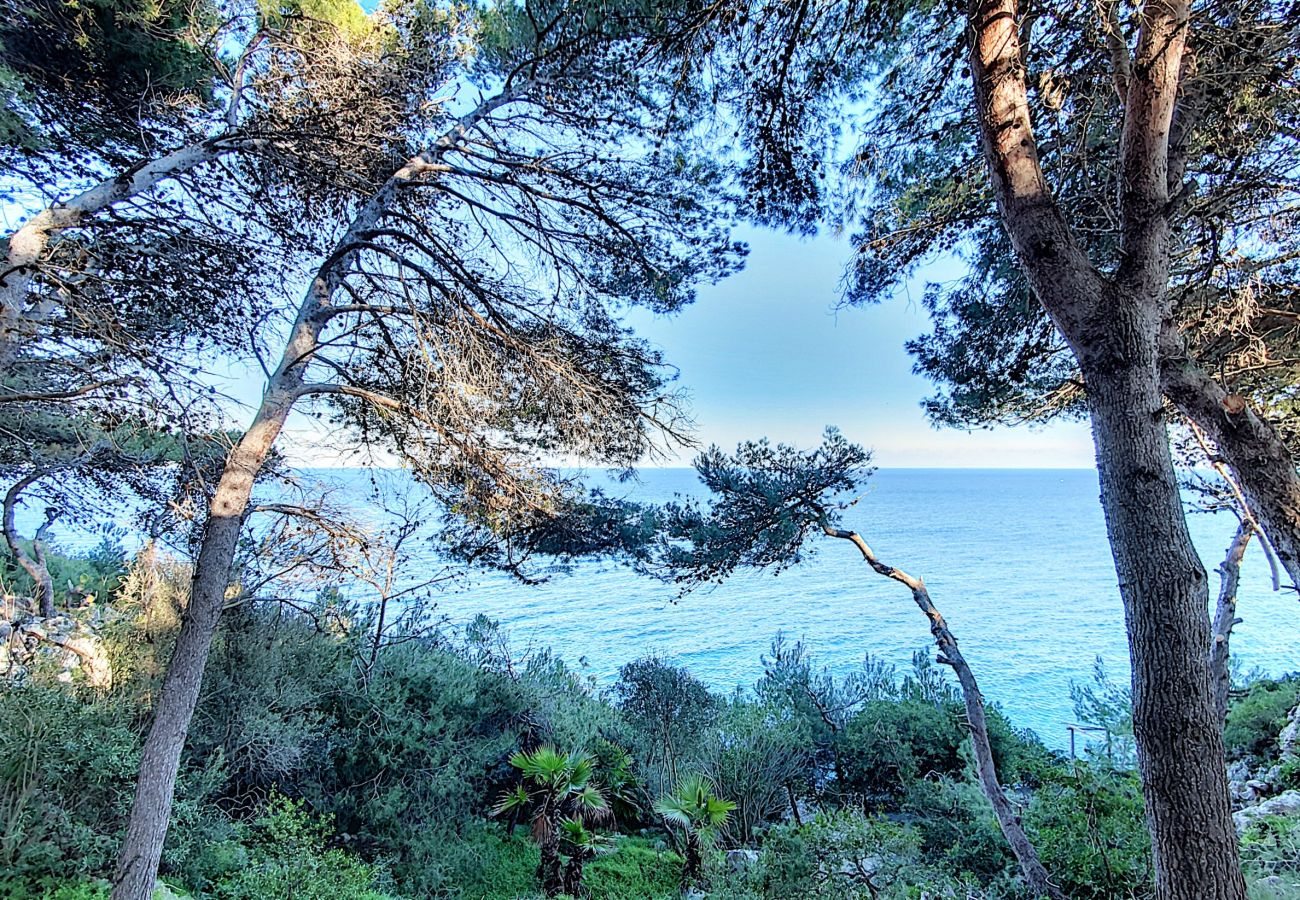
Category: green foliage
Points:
column 635, row 869
column 838, row 855
column 753, row 753
column 958, row 831
column 1088, row 825
column 767, row 500
column 1270, row 854
column 67, row 767
column 694, row 806
column 104, row 62
column 81, row 890
column 95, row 574
column 287, row 856
column 891, row 743
column 1109, row 706
column 1256, row 718
column 668, row 710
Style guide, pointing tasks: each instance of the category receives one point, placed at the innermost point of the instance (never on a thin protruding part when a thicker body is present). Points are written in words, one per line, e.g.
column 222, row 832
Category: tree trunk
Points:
column 1261, row 463
column 549, row 870
column 1031, row 867
column 694, row 860
column 45, row 590
column 35, row 568
column 1225, row 617
column 1113, row 326
column 142, row 846
column 141, row 850
column 1166, row 600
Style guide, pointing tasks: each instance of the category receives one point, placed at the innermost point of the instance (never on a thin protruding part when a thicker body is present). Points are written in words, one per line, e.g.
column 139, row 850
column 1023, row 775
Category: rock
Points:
column 1241, row 792
column 740, row 860
column 1286, row 803
column 1239, row 771
column 1289, row 739
column 92, row 658
column 1259, row 787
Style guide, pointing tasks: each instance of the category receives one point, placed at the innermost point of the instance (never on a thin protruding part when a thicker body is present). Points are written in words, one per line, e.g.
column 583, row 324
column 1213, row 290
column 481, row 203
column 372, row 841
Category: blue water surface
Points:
column 1017, row 561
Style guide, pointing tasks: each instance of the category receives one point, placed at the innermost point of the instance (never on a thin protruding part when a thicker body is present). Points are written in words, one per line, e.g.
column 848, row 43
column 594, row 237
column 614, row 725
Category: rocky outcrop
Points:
column 1254, row 793
column 69, row 645
column 1286, row 803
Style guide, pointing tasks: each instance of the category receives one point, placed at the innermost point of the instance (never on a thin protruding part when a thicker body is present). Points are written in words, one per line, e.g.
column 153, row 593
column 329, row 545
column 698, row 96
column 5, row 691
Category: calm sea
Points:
column 1017, row 561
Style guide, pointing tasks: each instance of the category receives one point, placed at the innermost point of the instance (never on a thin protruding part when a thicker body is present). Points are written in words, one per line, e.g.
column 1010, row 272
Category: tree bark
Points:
column 34, row 567
column 1165, row 593
column 1114, row 326
column 141, row 850
column 1261, row 463
column 1225, row 618
column 1031, row 867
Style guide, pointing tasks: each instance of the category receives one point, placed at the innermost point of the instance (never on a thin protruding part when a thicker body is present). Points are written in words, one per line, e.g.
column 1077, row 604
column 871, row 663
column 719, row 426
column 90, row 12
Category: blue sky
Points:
column 766, row 353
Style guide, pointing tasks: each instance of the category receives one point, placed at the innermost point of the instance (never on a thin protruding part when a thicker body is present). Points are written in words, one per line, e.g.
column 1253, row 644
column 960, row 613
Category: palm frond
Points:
column 511, row 800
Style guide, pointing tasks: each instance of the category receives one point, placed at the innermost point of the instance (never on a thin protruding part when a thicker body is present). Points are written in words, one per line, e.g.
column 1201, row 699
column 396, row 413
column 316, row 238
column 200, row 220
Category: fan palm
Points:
column 565, row 803
column 699, row 813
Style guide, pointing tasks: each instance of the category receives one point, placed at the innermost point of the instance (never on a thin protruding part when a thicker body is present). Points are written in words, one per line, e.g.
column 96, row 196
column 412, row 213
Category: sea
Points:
column 1016, row 560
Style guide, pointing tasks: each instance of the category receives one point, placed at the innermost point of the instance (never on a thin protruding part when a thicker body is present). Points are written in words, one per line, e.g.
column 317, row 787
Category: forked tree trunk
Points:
column 141, row 850
column 1166, row 598
column 1114, row 327
column 1031, row 867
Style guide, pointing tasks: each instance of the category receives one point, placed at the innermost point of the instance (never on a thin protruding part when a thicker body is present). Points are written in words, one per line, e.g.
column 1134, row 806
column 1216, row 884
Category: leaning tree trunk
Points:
column 1031, row 867
column 1262, row 465
column 141, row 850
column 1166, row 599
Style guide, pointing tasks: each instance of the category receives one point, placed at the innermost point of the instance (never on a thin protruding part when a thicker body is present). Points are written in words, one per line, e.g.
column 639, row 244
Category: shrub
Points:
column 669, row 711
column 958, row 831
column 751, row 755
column 891, row 743
column 1087, row 823
column 67, row 771
column 839, row 855
column 1271, row 848
column 1256, row 718
column 635, row 870
column 287, row 856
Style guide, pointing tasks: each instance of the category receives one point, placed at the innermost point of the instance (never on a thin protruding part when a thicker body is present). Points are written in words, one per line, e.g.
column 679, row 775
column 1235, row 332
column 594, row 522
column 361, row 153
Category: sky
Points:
column 766, row 353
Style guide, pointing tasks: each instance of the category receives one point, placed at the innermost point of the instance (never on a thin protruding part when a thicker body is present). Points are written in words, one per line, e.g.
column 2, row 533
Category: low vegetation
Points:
column 451, row 767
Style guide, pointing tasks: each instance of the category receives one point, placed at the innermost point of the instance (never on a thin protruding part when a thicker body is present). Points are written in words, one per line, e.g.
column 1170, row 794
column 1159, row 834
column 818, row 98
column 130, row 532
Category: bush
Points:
column 751, row 755
column 1256, row 718
column 636, row 869
column 839, row 855
column 891, row 743
column 287, row 857
column 958, row 831
column 1087, row 823
column 67, row 772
